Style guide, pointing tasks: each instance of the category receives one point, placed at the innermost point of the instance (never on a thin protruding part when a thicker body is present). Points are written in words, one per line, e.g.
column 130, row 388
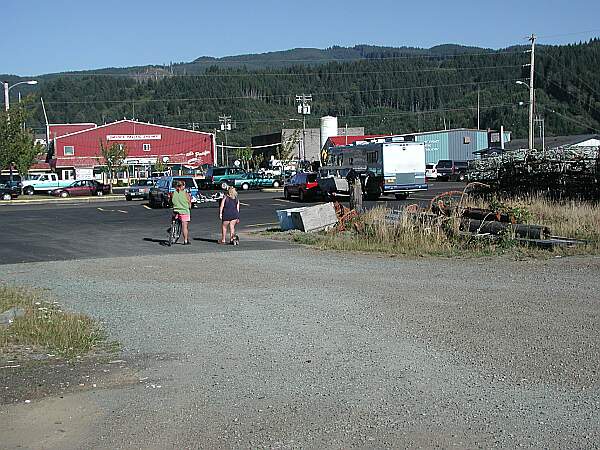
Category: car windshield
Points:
column 311, row 177
column 444, row 164
column 218, row 172
column 143, row 183
column 189, row 182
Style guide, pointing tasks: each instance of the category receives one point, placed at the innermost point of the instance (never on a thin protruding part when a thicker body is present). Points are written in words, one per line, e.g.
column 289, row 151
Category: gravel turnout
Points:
column 298, row 348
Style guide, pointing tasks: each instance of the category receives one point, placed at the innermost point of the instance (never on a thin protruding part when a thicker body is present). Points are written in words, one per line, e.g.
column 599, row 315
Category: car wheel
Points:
column 6, row 197
column 64, row 194
column 461, row 177
column 287, row 194
column 224, row 185
column 28, row 190
column 128, row 198
column 276, row 184
column 245, row 186
column 302, row 195
column 402, row 196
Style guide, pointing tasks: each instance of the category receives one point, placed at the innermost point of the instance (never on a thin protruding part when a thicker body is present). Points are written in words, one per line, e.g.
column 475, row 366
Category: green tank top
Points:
column 180, row 202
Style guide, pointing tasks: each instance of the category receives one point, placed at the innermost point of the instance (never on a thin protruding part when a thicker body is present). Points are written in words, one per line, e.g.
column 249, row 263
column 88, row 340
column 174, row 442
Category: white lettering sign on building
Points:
column 133, row 137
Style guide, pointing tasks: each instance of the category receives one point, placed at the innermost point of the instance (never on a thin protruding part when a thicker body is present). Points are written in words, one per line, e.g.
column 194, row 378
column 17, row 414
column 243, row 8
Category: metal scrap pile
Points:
column 563, row 171
column 447, row 211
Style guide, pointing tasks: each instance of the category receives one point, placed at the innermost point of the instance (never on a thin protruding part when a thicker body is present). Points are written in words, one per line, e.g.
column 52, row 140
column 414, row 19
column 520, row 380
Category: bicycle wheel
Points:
column 174, row 232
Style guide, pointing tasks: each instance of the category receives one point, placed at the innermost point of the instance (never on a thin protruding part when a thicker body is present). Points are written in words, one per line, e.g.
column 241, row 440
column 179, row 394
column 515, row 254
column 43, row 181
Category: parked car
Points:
column 253, row 180
column 16, row 183
column 139, row 189
column 8, row 192
column 160, row 194
column 221, row 177
column 449, row 170
column 431, row 171
column 82, row 187
column 303, row 185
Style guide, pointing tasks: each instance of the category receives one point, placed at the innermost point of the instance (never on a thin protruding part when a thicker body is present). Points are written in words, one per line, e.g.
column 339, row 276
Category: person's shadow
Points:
column 162, row 242
column 212, row 241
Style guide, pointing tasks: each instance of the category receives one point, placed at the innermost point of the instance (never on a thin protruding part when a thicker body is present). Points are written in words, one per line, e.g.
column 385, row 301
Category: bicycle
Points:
column 175, row 229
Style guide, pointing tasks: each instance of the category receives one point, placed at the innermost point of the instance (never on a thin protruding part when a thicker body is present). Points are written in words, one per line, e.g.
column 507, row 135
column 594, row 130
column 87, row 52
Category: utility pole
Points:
column 303, row 102
column 531, row 92
column 478, row 108
column 540, row 121
column 225, row 122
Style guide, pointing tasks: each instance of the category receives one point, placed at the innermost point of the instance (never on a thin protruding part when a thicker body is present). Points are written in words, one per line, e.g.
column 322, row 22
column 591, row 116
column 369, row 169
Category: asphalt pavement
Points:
column 56, row 230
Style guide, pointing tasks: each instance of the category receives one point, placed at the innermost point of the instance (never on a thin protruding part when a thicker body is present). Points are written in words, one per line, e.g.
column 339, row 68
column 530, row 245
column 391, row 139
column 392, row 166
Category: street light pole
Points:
column 7, row 88
column 531, row 92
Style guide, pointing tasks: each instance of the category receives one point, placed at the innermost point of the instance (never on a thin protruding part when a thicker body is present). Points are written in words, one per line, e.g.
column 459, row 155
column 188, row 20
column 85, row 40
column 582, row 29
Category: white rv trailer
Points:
column 384, row 168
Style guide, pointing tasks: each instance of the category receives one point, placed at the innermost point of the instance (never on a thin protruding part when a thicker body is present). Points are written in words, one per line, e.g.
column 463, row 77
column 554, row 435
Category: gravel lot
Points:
column 294, row 348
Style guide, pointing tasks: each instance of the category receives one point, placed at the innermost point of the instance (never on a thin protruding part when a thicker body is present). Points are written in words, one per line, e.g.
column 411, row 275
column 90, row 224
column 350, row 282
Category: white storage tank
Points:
column 329, row 128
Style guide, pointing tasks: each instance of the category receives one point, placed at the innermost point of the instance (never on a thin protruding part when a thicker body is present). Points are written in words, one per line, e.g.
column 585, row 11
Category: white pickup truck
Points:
column 43, row 183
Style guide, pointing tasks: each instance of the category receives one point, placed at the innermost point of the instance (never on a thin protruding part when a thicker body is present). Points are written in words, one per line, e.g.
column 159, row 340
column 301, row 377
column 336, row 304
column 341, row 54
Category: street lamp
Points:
column 8, row 88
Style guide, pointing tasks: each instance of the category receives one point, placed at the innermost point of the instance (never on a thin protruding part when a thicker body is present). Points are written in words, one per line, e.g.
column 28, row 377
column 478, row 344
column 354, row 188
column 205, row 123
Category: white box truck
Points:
column 384, row 168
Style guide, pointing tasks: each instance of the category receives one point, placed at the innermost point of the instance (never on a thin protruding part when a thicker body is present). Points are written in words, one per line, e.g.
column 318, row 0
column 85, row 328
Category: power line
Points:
column 579, row 122
column 299, row 74
column 358, row 116
column 569, row 34
column 572, row 73
column 261, row 97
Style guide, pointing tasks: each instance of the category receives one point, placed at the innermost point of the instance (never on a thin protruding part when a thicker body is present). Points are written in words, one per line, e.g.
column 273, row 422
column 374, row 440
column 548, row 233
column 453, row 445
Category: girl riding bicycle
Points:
column 182, row 204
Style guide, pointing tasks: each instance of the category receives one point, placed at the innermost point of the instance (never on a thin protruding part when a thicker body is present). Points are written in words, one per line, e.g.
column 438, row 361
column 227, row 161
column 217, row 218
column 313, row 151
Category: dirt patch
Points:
column 37, row 377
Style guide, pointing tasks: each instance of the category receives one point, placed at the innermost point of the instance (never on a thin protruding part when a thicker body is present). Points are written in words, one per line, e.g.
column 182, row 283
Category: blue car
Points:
column 160, row 195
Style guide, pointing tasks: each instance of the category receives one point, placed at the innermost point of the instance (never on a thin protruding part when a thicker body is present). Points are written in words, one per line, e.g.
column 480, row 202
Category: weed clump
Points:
column 45, row 325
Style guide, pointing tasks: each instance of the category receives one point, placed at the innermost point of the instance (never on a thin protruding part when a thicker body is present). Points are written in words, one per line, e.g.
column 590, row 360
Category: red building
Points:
column 77, row 148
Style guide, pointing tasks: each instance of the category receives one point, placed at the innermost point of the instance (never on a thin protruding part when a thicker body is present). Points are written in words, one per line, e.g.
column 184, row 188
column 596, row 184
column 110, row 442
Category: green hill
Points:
column 386, row 90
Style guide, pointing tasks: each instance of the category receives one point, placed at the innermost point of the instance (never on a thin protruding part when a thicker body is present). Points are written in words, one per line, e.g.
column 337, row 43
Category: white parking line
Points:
column 262, row 224
column 245, row 204
column 121, row 211
column 146, row 206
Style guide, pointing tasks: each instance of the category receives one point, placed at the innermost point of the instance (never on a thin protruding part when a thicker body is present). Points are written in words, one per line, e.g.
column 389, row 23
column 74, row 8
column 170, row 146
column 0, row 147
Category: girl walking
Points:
column 229, row 213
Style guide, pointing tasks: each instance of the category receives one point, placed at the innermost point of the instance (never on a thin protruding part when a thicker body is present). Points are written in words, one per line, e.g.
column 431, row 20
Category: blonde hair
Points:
column 231, row 192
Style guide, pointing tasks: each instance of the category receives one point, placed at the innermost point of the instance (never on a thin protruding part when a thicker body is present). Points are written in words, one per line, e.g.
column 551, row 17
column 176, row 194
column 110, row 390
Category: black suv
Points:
column 449, row 170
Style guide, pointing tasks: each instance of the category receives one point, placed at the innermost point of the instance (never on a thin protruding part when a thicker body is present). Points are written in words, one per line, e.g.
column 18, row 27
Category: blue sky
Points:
column 42, row 36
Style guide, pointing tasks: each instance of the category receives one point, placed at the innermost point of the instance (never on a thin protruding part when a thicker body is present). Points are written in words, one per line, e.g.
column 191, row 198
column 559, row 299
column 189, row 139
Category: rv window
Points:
column 371, row 157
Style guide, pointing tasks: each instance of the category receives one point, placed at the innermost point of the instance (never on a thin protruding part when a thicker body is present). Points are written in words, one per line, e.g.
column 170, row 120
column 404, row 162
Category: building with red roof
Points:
column 182, row 151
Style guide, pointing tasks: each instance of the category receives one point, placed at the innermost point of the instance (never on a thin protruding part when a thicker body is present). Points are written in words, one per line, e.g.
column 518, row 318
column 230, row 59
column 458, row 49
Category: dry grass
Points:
column 46, row 326
column 372, row 233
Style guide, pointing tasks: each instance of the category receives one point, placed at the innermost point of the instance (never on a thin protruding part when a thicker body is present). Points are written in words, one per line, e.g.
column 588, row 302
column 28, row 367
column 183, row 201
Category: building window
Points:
column 146, row 147
column 466, row 139
column 371, row 157
column 69, row 150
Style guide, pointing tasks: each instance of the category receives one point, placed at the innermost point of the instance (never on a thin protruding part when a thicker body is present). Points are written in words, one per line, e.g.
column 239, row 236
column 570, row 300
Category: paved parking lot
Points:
column 59, row 231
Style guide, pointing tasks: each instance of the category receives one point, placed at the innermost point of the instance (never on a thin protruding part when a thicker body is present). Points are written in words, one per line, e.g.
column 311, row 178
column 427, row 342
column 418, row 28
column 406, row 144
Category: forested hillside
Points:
column 383, row 89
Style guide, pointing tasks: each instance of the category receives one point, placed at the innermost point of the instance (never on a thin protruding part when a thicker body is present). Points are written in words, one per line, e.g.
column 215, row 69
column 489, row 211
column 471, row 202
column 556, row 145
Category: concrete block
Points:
column 314, row 218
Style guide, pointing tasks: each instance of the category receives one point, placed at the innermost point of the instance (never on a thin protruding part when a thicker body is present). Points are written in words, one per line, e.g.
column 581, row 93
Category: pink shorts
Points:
column 184, row 217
